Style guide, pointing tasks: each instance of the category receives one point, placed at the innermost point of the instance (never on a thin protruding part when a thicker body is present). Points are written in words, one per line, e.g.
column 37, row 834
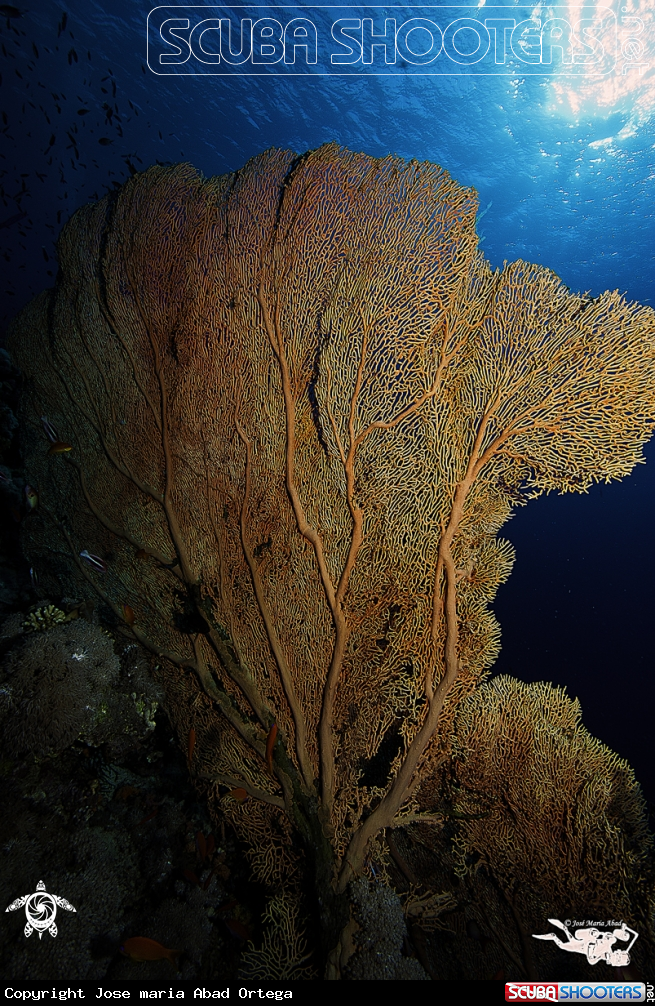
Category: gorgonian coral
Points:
column 300, row 405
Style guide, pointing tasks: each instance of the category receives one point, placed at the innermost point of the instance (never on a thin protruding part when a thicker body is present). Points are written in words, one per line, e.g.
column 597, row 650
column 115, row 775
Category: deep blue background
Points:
column 564, row 168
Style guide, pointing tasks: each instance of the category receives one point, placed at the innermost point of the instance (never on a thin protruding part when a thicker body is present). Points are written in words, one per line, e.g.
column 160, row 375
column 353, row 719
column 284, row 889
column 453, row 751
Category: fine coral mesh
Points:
column 563, row 816
column 301, row 405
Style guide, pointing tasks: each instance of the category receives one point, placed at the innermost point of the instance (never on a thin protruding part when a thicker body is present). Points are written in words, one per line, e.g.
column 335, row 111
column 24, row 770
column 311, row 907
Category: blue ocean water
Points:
column 564, row 166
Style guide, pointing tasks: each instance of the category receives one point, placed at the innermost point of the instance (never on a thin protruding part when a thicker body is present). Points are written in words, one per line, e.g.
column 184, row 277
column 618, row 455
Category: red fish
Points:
column 239, row 794
column 125, row 792
column 142, row 554
column 192, row 743
column 128, row 614
column 190, row 876
column 209, row 879
column 201, row 846
column 140, row 948
column 228, row 906
column 148, row 818
column 211, row 845
column 237, row 929
column 270, row 742
column 60, row 447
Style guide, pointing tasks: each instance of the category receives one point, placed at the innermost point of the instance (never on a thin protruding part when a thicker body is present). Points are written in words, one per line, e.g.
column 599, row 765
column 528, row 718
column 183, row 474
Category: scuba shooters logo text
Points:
column 576, row 992
column 492, row 39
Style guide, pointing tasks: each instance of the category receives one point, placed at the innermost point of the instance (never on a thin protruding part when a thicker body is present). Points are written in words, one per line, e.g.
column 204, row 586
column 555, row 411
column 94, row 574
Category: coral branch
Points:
column 278, row 653
column 394, row 398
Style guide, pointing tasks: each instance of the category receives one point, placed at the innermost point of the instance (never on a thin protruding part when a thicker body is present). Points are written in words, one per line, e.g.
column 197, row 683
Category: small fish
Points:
column 93, row 560
column 31, row 497
column 140, row 948
column 191, row 877
column 142, row 554
column 239, row 794
column 12, row 220
column 228, row 905
column 34, row 580
column 209, row 879
column 49, row 429
column 211, row 845
column 125, row 792
column 237, row 929
column 192, row 743
column 8, row 11
column 270, row 742
column 201, row 846
column 104, row 141
column 148, row 817
column 60, row 447
column 128, row 614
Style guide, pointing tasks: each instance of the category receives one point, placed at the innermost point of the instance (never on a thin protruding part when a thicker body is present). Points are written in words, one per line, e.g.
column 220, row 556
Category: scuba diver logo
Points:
column 596, row 945
column 40, row 910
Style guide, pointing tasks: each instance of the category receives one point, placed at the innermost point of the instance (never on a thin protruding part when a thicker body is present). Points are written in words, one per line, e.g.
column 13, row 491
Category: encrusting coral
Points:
column 100, row 874
column 62, row 683
column 58, row 681
column 301, row 404
column 379, row 936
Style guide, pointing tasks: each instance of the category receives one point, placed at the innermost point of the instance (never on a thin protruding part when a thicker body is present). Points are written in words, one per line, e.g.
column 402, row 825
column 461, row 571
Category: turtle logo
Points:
column 40, row 910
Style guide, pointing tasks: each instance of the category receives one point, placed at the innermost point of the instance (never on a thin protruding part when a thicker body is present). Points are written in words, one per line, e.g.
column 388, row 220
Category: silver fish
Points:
column 50, row 431
column 94, row 561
